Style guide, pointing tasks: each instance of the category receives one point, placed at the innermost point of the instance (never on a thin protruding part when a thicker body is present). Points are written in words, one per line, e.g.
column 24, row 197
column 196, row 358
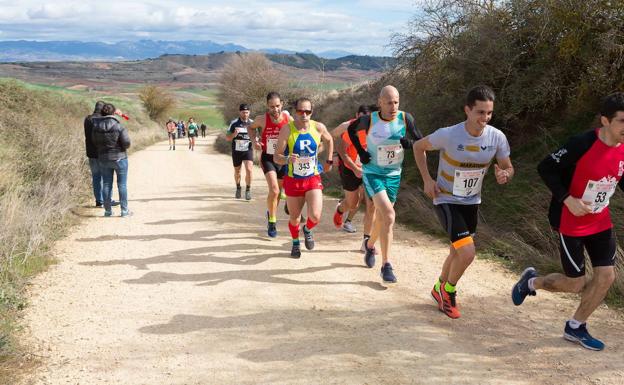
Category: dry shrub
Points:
column 157, row 102
column 248, row 78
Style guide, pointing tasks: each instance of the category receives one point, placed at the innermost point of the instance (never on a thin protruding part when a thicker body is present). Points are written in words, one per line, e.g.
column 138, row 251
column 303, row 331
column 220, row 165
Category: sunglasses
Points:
column 302, row 112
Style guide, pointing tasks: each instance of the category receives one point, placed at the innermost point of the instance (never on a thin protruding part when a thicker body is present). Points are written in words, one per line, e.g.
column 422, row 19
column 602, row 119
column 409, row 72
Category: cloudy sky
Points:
column 363, row 26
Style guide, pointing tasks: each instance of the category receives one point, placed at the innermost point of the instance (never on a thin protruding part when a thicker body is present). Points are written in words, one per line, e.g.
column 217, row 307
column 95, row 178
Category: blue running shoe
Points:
column 308, row 238
column 521, row 289
column 582, row 336
column 369, row 256
column 386, row 273
column 272, row 230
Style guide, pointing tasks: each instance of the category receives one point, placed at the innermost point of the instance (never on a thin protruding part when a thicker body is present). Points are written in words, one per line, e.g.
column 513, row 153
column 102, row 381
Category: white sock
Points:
column 531, row 284
column 574, row 324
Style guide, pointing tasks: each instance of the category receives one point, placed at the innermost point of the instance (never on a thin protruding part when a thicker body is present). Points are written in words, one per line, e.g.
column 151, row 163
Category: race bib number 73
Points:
column 389, row 154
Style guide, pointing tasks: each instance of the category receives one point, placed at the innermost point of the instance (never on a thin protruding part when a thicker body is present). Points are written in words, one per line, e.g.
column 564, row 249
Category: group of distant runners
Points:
column 189, row 129
column 582, row 176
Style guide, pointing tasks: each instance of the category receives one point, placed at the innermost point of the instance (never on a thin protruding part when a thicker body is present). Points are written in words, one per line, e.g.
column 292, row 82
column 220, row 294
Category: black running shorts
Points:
column 601, row 248
column 267, row 164
column 350, row 182
column 459, row 222
column 239, row 156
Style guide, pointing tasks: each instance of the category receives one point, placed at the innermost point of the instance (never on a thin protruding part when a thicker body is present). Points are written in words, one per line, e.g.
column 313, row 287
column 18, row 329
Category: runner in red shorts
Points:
column 298, row 146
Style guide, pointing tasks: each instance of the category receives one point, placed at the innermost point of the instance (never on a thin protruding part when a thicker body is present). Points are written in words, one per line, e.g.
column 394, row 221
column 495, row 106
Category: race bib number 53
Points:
column 468, row 182
column 597, row 194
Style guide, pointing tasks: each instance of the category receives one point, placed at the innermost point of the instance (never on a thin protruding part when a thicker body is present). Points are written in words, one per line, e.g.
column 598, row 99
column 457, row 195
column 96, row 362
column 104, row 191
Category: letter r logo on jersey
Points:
column 304, row 145
column 621, row 168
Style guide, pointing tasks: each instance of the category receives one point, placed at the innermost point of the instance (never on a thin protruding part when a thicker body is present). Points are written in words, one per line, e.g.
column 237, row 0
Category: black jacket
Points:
column 88, row 131
column 110, row 138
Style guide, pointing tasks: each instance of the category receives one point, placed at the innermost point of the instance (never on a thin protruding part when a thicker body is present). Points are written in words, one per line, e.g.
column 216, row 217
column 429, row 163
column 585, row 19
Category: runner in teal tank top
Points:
column 191, row 131
column 298, row 146
column 388, row 133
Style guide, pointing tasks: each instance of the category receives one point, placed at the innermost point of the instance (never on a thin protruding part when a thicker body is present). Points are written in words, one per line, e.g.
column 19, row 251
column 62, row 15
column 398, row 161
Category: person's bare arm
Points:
column 326, row 138
column 257, row 124
column 282, row 141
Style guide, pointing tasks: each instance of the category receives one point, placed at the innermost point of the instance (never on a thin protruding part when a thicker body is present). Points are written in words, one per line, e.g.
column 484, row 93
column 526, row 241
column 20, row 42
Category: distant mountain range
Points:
column 28, row 51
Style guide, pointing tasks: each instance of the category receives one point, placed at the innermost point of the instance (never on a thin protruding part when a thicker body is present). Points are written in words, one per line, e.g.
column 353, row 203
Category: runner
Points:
column 270, row 124
column 203, row 129
column 388, row 132
column 350, row 170
column 466, row 151
column 298, row 147
column 242, row 152
column 582, row 176
column 171, row 132
column 192, row 131
column 181, row 129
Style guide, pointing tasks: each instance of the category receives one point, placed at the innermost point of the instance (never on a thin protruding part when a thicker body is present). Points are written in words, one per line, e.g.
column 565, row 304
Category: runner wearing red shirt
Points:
column 583, row 175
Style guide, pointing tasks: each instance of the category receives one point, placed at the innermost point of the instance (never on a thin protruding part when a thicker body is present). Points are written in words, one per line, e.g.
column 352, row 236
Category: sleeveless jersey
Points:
column 270, row 133
column 305, row 145
column 384, row 145
column 192, row 128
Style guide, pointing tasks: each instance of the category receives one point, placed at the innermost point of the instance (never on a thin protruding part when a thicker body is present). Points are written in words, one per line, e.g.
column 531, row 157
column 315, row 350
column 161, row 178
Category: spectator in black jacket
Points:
column 111, row 141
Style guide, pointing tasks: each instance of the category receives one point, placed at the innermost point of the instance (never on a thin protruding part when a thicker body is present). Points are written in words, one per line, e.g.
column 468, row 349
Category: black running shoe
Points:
column 272, row 230
column 369, row 257
column 521, row 289
column 387, row 274
column 238, row 193
column 295, row 252
column 309, row 238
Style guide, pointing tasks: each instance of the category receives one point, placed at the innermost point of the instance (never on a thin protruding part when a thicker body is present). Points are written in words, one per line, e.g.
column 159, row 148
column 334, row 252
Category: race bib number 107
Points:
column 468, row 182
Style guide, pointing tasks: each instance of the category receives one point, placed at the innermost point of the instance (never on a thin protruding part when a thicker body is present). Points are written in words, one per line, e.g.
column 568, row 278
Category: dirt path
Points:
column 189, row 290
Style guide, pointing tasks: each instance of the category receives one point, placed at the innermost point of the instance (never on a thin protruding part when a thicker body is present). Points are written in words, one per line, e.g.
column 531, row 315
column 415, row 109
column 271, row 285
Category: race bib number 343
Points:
column 389, row 154
column 304, row 166
column 597, row 194
column 468, row 182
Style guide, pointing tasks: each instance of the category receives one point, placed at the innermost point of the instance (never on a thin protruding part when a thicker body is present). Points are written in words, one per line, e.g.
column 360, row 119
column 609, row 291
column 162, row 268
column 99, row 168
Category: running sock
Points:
column 238, row 186
column 437, row 285
column 309, row 224
column 295, row 241
column 449, row 288
column 294, row 231
column 532, row 284
column 247, row 188
column 273, row 219
column 574, row 324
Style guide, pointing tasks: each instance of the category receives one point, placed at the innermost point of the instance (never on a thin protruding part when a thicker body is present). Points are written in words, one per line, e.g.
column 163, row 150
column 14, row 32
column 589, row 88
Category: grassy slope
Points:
column 43, row 175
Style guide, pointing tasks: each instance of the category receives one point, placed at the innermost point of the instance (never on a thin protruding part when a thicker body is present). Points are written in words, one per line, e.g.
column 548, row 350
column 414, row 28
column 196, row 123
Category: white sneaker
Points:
column 348, row 227
column 363, row 247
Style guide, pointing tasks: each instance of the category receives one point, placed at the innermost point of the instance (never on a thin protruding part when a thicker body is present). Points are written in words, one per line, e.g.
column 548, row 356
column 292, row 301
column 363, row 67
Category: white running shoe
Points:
column 348, row 227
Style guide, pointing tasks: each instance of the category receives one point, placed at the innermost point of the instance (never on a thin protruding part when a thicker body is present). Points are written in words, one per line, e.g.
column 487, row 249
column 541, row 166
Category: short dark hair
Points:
column 273, row 95
column 108, row 109
column 301, row 100
column 373, row 107
column 611, row 104
column 363, row 109
column 480, row 93
column 98, row 107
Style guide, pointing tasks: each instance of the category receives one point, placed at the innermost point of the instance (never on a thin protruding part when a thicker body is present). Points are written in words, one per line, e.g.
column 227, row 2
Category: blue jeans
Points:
column 96, row 180
column 108, row 168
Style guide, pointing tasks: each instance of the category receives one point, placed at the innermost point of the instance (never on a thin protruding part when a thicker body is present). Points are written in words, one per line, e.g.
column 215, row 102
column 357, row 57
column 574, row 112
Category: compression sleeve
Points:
column 412, row 134
column 357, row 125
column 563, row 161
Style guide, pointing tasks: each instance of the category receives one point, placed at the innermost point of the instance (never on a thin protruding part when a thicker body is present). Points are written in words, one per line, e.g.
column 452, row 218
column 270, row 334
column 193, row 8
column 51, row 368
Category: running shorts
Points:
column 267, row 164
column 374, row 184
column 171, row 135
column 350, row 182
column 193, row 134
column 239, row 156
column 459, row 222
column 601, row 248
column 297, row 187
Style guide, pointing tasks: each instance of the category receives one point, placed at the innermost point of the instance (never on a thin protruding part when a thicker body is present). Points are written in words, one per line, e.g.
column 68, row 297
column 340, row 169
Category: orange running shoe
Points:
column 435, row 294
column 449, row 303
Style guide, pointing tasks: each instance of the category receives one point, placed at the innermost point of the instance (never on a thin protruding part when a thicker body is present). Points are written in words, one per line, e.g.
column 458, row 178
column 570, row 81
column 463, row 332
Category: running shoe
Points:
column 114, row 203
column 248, row 195
column 108, row 213
column 338, row 217
column 173, row 148
column 99, row 204
column 126, row 213
column 348, row 227
column 295, row 252
column 282, row 195
column 238, row 193
column 449, row 303
column 272, row 230
column 308, row 238
column 437, row 296
column 369, row 257
column 521, row 289
column 582, row 336
column 387, row 274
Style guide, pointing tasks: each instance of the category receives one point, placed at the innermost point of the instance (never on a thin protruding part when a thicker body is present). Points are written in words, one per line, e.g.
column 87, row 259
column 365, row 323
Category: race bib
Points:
column 271, row 145
column 304, row 166
column 389, row 154
column 468, row 182
column 241, row 145
column 597, row 194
